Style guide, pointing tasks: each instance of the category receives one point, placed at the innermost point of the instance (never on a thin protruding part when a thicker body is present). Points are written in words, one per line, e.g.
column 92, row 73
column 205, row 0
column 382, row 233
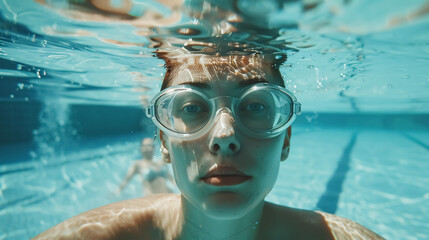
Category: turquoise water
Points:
column 71, row 121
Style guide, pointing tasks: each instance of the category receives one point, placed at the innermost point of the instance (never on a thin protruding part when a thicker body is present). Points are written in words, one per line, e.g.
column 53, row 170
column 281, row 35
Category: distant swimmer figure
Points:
column 154, row 175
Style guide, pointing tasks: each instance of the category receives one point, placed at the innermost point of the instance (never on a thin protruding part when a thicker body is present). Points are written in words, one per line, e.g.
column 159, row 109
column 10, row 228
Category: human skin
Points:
column 224, row 210
column 157, row 185
column 205, row 209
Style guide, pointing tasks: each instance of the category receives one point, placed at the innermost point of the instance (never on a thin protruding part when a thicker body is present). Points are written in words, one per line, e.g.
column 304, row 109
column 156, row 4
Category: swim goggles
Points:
column 262, row 110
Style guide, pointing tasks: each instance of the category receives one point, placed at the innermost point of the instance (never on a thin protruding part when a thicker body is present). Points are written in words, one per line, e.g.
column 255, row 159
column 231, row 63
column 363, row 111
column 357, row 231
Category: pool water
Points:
column 357, row 173
column 71, row 118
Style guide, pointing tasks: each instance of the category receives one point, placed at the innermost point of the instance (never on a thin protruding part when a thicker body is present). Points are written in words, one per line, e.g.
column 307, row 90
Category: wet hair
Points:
column 234, row 62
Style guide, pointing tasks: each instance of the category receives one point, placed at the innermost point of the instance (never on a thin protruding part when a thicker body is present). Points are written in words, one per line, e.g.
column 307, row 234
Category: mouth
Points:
column 225, row 176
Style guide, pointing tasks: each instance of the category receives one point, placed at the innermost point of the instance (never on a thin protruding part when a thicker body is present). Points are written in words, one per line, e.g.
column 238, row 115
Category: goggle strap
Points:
column 150, row 111
column 297, row 108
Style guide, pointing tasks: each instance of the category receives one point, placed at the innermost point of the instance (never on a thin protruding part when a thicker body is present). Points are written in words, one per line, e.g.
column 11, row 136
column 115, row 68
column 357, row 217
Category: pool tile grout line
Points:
column 328, row 202
column 416, row 141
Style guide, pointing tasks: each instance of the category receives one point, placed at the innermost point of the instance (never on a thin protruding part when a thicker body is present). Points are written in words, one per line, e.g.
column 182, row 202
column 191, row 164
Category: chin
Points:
column 228, row 205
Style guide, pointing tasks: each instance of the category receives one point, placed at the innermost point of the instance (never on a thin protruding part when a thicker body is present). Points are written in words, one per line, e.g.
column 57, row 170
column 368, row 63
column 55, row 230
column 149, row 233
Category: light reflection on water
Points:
column 357, row 57
column 329, row 62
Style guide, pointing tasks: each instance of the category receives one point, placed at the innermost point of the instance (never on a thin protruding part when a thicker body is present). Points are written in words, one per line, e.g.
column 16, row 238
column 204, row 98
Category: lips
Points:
column 225, row 176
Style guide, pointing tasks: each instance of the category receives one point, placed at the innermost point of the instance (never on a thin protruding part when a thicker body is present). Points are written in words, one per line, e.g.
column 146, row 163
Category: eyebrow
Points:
column 251, row 82
column 202, row 85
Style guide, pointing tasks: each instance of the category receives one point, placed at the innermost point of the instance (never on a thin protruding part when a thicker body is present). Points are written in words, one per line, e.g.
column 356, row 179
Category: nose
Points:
column 223, row 140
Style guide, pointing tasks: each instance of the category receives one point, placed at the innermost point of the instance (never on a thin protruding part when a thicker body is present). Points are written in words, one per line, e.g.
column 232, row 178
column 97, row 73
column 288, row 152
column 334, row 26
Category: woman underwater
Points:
column 225, row 127
column 154, row 175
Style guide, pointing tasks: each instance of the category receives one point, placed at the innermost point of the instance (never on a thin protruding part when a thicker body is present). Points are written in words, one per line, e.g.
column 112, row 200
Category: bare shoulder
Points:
column 343, row 228
column 281, row 221
column 130, row 219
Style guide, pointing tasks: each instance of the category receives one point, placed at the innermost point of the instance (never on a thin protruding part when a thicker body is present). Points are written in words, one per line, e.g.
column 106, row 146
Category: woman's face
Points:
column 147, row 148
column 225, row 172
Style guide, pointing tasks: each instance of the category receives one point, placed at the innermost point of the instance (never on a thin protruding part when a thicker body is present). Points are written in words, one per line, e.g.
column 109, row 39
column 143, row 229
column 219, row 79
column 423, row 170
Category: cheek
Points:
column 266, row 152
column 264, row 157
column 267, row 174
column 185, row 157
column 269, row 167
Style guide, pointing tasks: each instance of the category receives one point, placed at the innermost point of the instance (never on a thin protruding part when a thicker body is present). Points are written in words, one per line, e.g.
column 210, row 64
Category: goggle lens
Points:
column 183, row 111
column 264, row 110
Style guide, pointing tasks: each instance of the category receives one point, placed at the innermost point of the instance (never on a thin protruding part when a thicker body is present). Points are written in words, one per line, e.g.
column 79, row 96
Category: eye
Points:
column 255, row 107
column 192, row 108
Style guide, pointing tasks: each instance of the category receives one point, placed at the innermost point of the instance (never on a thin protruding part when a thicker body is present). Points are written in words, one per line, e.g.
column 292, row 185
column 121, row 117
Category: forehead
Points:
column 147, row 141
column 225, row 70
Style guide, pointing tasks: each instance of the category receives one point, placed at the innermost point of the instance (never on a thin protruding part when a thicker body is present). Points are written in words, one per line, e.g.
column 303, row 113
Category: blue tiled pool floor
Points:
column 377, row 178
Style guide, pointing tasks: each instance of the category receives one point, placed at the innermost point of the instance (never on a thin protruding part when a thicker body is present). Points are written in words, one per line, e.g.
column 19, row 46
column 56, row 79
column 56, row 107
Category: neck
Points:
column 198, row 225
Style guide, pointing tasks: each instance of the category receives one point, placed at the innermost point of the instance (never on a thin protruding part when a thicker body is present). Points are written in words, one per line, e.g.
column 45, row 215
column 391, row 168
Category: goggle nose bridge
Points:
column 226, row 107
